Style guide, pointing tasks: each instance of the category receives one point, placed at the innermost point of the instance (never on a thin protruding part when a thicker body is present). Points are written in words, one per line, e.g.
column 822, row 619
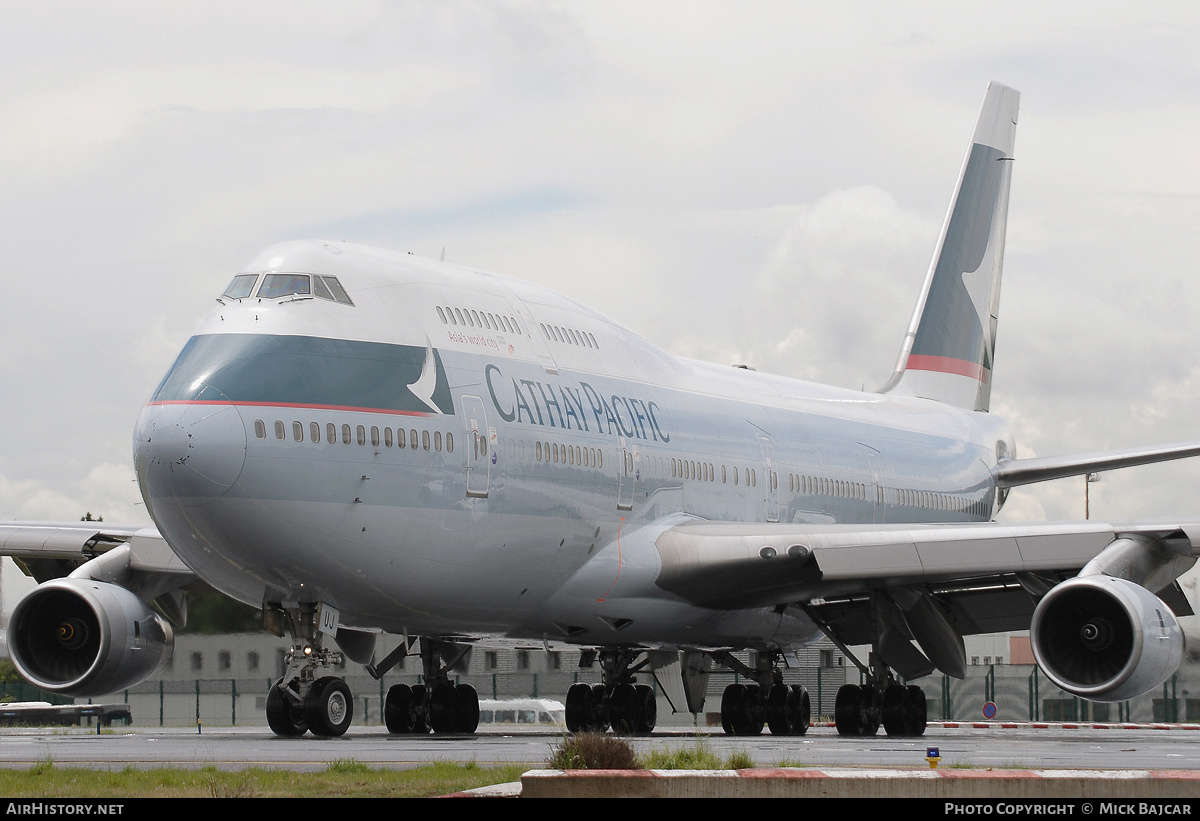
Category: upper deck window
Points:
column 241, row 286
column 277, row 285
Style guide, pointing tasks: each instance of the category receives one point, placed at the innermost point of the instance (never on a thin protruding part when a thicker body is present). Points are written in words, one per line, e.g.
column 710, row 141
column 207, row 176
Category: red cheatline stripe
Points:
column 301, row 405
column 946, row 364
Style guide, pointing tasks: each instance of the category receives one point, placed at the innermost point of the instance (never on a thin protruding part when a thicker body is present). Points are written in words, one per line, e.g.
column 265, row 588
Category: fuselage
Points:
column 440, row 451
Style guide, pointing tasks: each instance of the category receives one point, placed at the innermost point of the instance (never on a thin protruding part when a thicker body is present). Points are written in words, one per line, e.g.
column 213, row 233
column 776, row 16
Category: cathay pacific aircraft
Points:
column 362, row 442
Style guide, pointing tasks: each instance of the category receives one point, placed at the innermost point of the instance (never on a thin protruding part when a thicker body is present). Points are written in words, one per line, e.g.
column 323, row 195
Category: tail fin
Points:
column 947, row 351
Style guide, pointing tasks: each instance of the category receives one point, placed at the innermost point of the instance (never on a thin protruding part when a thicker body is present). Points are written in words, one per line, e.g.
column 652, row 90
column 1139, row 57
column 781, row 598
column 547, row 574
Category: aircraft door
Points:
column 877, row 509
column 627, row 474
column 481, row 451
column 771, row 477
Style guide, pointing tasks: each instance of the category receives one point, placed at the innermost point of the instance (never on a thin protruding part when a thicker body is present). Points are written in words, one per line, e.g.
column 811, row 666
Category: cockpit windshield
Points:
column 241, row 286
column 277, row 285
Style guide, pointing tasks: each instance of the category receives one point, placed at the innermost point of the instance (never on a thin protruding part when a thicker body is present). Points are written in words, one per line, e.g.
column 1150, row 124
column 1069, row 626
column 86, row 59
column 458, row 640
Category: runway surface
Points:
column 236, row 748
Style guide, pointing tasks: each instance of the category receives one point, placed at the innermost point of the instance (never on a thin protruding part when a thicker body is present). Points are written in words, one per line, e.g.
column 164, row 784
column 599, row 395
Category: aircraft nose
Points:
column 190, row 452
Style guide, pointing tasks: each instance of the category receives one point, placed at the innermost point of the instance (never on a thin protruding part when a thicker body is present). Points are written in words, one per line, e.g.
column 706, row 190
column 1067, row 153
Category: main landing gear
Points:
column 859, row 709
column 620, row 702
column 439, row 704
column 766, row 701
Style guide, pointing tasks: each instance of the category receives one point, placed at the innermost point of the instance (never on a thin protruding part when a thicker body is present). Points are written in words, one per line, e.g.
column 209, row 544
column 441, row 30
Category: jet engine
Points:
column 1104, row 638
column 86, row 638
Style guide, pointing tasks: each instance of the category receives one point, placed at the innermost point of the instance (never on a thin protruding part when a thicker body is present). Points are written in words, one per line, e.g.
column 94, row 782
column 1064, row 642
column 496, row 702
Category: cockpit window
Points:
column 241, row 286
column 335, row 288
column 277, row 285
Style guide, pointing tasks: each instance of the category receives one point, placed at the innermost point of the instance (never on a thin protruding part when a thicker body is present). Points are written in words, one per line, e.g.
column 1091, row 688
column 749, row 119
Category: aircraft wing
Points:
column 890, row 585
column 49, row 550
column 734, row 565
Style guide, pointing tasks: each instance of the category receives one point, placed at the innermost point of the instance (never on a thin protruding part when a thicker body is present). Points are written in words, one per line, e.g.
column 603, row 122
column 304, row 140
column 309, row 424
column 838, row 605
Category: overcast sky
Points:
column 753, row 182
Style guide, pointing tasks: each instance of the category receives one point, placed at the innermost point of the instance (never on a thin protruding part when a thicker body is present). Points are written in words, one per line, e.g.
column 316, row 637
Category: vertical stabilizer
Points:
column 947, row 351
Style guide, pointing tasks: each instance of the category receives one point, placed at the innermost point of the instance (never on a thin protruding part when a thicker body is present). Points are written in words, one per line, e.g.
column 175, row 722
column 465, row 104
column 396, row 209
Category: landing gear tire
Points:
column 466, row 705
column 856, row 710
column 600, row 712
column 803, row 709
column 742, row 709
column 421, row 709
column 622, row 707
column 328, row 707
column 870, row 703
column 896, row 707
column 633, row 709
column 579, row 708
column 454, row 708
column 920, row 710
column 904, row 710
column 788, row 709
column 647, row 709
column 285, row 716
column 848, row 713
column 399, row 710
column 441, row 709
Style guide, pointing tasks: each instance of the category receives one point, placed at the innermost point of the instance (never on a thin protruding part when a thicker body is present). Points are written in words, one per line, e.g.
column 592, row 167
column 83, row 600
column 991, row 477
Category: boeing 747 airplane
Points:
column 362, row 442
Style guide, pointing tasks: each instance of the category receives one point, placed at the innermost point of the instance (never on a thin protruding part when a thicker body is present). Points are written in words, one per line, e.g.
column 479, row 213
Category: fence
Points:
column 1019, row 693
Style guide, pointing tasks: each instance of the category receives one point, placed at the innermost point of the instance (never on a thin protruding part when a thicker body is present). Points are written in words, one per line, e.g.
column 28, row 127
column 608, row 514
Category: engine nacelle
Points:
column 1104, row 638
column 86, row 638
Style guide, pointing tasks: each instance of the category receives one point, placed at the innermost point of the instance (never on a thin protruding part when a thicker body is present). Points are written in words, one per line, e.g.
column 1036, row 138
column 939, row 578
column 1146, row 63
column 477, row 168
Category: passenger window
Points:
column 298, row 431
column 387, row 437
column 425, row 439
column 362, row 435
column 441, row 314
column 331, row 433
column 279, row 429
column 449, row 443
column 314, row 431
column 399, row 437
column 260, row 430
column 374, row 436
column 346, row 435
column 437, row 440
column 412, row 440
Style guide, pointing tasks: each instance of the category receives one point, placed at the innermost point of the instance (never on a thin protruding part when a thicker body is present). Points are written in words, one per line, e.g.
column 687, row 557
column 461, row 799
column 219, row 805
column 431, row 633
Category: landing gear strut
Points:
column 765, row 701
column 620, row 702
column 439, row 704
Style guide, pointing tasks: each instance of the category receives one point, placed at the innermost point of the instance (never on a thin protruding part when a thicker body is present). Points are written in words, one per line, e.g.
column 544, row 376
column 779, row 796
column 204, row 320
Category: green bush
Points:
column 593, row 751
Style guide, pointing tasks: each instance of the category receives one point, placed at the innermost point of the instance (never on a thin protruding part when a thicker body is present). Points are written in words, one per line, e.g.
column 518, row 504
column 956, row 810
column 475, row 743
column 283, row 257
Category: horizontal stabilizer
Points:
column 1013, row 472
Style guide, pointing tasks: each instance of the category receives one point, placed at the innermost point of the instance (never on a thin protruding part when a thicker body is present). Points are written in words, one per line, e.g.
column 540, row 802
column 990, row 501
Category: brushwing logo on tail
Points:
column 433, row 376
